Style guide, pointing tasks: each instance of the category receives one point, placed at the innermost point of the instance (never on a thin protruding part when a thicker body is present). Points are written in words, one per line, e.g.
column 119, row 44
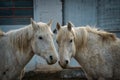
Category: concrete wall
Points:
column 80, row 12
column 44, row 10
column 109, row 14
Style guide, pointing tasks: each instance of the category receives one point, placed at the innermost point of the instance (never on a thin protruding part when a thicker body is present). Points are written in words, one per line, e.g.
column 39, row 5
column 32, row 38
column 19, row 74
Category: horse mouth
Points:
column 63, row 66
column 50, row 62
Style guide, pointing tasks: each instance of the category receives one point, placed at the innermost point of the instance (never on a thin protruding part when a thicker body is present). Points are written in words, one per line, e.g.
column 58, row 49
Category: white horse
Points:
column 98, row 52
column 17, row 47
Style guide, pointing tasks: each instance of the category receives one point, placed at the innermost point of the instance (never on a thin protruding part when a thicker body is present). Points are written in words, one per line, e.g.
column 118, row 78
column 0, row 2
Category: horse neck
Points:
column 24, row 58
column 81, row 37
column 24, row 54
column 82, row 52
column 17, row 59
column 20, row 39
column 21, row 58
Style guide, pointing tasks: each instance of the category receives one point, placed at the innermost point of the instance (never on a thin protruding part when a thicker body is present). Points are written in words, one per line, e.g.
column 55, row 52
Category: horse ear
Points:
column 58, row 26
column 50, row 22
column 70, row 25
column 33, row 24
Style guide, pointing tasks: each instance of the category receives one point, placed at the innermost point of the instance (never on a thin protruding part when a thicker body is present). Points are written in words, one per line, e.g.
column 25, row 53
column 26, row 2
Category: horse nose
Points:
column 66, row 61
column 51, row 57
column 63, row 65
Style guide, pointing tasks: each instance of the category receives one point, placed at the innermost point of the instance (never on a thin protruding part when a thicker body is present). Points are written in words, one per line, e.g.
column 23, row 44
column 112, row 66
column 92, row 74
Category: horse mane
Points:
column 106, row 36
column 20, row 38
column 81, row 36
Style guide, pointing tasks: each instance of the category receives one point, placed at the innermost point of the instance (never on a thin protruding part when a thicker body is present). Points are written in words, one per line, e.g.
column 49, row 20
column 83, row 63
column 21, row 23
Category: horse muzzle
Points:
column 51, row 60
column 65, row 65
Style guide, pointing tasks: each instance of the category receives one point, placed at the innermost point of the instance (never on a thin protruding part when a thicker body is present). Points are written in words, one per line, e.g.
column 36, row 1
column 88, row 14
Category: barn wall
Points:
column 44, row 10
column 80, row 12
column 109, row 14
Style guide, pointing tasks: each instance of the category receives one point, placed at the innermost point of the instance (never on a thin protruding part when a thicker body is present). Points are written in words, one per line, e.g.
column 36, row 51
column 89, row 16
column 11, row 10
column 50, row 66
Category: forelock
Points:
column 64, row 33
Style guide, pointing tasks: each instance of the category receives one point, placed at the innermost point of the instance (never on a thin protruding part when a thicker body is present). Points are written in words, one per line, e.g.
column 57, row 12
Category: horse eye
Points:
column 40, row 37
column 71, row 41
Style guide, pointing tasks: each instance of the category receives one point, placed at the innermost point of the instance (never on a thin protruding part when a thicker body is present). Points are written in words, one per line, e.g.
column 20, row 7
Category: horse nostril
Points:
column 59, row 62
column 51, row 58
column 66, row 61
